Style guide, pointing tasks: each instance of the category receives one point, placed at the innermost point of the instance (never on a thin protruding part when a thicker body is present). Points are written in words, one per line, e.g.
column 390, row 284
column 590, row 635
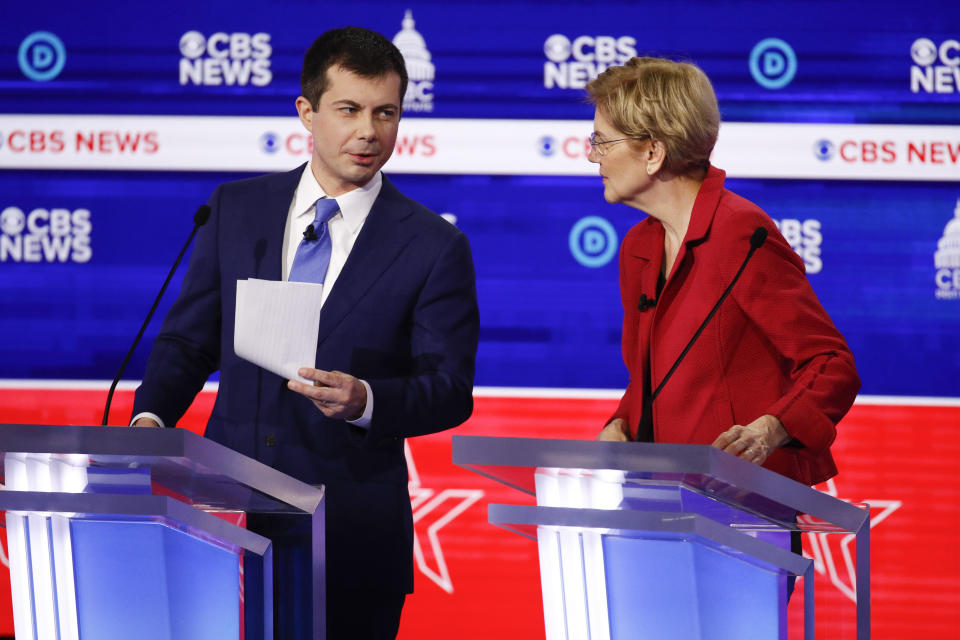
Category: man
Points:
column 397, row 336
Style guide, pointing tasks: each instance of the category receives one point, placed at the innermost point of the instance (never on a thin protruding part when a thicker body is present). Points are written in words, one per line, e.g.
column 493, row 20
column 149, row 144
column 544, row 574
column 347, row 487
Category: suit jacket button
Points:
column 271, row 441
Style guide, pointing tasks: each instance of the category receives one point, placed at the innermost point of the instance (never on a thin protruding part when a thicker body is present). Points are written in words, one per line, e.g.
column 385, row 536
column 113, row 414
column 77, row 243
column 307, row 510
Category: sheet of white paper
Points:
column 276, row 324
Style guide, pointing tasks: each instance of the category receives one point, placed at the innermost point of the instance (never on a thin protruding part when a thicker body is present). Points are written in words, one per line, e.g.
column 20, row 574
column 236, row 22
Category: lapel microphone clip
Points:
column 646, row 303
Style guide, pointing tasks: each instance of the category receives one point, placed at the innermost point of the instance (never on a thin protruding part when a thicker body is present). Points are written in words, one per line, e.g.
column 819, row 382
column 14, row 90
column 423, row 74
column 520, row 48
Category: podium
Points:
column 648, row 541
column 118, row 533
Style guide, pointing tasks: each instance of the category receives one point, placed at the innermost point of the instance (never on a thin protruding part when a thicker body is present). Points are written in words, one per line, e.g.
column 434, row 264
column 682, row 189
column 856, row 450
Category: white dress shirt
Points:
column 343, row 227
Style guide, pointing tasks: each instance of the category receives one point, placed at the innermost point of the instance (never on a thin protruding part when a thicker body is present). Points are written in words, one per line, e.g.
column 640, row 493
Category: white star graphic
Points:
column 824, row 552
column 424, row 501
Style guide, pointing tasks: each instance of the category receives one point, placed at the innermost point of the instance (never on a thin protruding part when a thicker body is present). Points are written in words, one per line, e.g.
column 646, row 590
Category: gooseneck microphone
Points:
column 199, row 219
column 756, row 241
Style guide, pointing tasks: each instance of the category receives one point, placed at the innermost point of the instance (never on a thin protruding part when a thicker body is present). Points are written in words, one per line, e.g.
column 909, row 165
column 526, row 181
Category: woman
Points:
column 770, row 376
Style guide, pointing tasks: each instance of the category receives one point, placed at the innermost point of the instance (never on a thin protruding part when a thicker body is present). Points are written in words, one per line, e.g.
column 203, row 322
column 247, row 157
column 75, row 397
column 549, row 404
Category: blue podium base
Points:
column 685, row 590
column 150, row 581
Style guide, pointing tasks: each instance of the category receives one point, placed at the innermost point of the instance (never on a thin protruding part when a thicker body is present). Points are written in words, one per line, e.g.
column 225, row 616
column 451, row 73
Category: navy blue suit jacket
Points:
column 402, row 315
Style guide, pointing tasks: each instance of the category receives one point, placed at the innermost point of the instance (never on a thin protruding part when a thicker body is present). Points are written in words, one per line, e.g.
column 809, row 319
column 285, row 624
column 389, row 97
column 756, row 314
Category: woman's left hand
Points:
column 755, row 441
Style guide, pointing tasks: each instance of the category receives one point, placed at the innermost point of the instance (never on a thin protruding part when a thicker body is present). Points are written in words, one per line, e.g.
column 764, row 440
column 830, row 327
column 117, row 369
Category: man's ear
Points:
column 306, row 113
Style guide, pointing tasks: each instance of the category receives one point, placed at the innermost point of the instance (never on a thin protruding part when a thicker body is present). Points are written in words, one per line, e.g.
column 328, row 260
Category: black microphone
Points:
column 199, row 219
column 756, row 240
column 310, row 234
column 645, row 303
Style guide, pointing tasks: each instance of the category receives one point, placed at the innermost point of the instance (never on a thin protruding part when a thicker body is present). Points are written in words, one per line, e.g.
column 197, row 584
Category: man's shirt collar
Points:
column 354, row 205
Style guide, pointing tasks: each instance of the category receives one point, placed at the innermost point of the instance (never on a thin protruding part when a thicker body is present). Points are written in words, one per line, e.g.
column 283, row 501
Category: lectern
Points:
column 118, row 533
column 648, row 541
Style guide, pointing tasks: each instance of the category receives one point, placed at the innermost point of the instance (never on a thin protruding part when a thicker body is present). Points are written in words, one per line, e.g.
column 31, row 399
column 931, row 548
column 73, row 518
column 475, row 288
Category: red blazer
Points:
column 770, row 348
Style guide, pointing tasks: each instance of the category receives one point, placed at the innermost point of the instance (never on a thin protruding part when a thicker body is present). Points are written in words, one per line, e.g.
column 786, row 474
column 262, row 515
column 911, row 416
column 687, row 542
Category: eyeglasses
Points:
column 597, row 145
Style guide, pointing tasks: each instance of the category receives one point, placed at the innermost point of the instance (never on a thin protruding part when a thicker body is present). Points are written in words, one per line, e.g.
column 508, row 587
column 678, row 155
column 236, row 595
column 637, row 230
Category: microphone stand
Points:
column 199, row 219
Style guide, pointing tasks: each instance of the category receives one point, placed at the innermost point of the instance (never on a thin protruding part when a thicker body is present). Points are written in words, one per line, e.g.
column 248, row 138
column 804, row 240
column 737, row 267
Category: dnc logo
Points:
column 824, row 150
column 41, row 56
column 547, row 146
column 773, row 64
column 270, row 142
column 593, row 241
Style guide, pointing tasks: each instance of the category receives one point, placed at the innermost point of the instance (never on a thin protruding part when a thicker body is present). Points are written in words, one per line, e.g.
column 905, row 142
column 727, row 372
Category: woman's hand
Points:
column 755, row 441
column 616, row 431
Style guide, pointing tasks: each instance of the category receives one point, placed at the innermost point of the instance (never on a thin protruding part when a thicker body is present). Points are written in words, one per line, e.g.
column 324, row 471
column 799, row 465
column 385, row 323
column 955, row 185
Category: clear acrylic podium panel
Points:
column 682, row 524
column 119, row 533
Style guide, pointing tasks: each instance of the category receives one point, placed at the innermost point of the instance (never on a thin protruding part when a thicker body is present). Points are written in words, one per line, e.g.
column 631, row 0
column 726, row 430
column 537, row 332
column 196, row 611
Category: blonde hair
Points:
column 672, row 102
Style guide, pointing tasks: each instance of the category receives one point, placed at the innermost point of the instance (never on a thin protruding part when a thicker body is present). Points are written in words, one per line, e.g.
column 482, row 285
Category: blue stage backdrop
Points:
column 789, row 61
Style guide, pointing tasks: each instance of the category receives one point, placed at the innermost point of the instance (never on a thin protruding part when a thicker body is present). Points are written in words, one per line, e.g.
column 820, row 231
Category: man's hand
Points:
column 338, row 395
column 145, row 422
column 755, row 441
column 616, row 431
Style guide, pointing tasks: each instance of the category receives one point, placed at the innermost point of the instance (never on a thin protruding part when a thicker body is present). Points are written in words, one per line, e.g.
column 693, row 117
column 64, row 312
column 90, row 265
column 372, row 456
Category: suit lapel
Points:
column 645, row 258
column 267, row 222
column 701, row 219
column 381, row 241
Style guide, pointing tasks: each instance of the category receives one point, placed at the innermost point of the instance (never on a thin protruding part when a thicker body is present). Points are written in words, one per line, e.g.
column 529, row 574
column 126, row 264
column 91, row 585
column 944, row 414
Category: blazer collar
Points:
column 650, row 247
column 705, row 205
column 284, row 184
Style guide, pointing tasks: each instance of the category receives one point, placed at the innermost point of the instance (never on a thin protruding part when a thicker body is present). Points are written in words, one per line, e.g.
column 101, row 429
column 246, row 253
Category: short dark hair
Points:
column 366, row 53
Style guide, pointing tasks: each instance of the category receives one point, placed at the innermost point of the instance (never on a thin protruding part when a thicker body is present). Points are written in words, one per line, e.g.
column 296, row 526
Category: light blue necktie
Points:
column 313, row 255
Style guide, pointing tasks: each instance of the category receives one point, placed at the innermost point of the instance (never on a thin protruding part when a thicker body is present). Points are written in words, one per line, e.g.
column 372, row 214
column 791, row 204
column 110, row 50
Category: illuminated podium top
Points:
column 700, row 468
column 203, row 472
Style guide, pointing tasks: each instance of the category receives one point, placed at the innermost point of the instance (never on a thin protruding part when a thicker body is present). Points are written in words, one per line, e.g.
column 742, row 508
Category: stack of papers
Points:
column 276, row 325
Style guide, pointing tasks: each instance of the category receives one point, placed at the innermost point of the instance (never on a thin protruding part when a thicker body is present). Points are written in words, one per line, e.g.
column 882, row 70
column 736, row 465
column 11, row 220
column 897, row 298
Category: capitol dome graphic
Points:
column 948, row 248
column 414, row 50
